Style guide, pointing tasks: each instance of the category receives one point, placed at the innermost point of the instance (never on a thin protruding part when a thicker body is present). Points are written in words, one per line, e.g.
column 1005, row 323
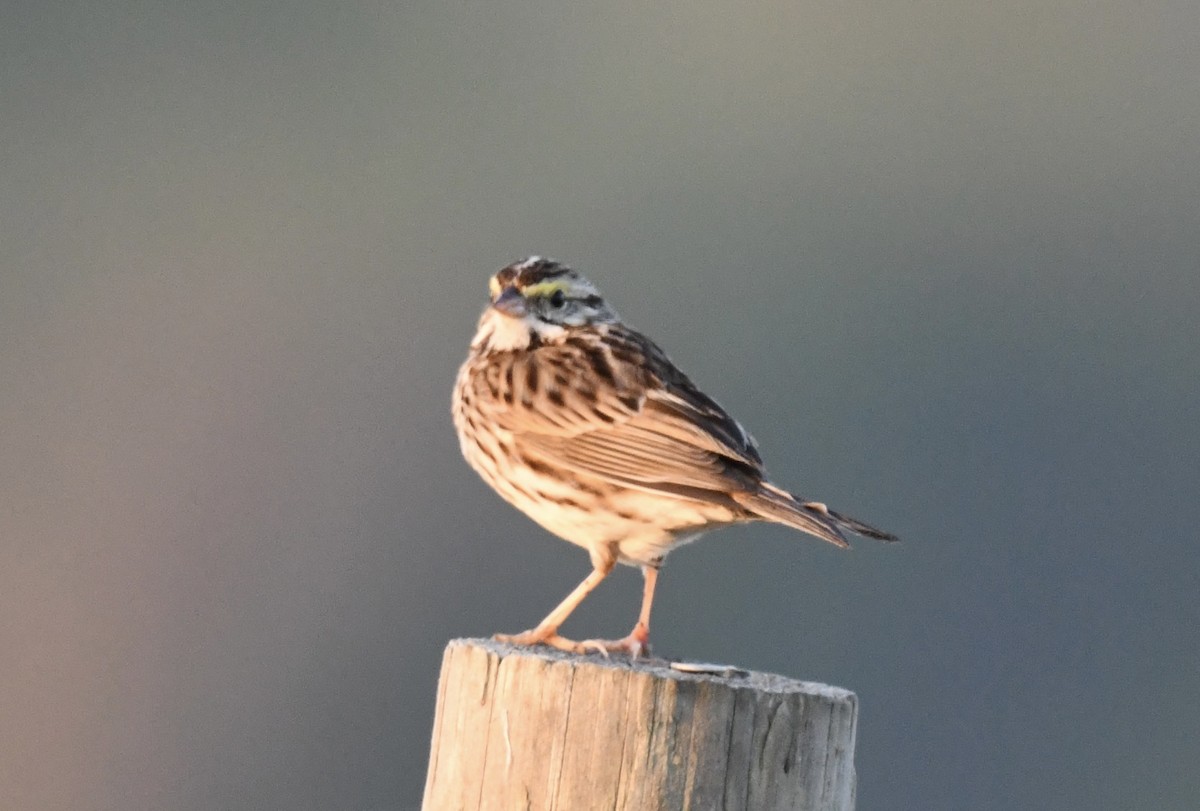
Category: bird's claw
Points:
column 635, row 645
column 538, row 636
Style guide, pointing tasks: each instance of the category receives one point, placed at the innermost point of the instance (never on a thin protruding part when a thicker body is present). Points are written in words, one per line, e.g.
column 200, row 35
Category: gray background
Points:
column 941, row 258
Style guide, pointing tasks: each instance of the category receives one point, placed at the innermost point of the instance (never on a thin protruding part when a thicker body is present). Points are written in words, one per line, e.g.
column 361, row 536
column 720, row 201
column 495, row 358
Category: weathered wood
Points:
column 533, row 728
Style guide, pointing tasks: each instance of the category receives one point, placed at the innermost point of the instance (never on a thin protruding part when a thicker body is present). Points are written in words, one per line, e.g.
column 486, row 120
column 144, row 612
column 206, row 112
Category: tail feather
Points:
column 859, row 528
column 773, row 504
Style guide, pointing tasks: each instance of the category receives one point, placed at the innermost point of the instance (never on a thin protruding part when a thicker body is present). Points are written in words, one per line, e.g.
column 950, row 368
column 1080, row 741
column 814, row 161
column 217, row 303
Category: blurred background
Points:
column 942, row 259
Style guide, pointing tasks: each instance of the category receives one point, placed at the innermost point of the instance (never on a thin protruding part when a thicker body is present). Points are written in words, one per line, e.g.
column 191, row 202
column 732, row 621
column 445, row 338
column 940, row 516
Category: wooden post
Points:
column 533, row 728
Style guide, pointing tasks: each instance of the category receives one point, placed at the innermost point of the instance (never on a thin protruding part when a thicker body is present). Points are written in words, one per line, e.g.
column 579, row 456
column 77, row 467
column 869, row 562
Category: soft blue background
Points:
column 943, row 259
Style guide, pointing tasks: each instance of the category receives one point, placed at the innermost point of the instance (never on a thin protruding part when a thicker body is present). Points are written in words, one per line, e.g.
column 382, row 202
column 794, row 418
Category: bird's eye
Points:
column 558, row 298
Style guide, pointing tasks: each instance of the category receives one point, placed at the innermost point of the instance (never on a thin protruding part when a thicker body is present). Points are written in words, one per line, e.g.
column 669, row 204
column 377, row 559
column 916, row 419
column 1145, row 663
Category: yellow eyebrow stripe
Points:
column 545, row 288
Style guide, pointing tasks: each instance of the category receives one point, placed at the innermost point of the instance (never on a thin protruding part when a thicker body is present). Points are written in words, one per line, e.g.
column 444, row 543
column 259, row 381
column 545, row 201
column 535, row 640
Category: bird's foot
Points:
column 636, row 645
column 539, row 636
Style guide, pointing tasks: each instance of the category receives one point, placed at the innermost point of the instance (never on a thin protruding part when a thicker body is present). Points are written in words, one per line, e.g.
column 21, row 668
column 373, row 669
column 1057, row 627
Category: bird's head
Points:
column 538, row 301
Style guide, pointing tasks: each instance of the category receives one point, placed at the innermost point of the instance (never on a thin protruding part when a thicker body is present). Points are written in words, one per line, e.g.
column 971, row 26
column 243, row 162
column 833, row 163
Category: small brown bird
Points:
column 587, row 427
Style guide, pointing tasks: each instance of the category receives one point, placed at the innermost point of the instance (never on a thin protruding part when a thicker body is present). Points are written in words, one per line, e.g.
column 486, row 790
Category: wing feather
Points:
column 644, row 424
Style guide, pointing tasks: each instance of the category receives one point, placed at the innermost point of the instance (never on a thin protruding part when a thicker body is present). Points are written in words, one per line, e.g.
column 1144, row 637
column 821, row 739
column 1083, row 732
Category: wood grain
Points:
column 534, row 728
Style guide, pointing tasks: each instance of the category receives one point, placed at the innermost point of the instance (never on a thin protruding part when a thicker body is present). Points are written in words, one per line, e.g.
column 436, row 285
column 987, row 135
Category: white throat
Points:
column 503, row 333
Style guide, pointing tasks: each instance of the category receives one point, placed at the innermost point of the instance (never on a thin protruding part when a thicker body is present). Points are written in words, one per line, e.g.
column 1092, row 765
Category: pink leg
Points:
column 546, row 631
column 638, row 641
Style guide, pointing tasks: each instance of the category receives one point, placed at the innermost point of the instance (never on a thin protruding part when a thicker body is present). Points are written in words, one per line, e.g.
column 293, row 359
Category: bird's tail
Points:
column 773, row 504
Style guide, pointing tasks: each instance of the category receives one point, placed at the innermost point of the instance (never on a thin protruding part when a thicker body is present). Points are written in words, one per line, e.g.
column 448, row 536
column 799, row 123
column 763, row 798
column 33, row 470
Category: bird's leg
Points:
column 546, row 631
column 638, row 641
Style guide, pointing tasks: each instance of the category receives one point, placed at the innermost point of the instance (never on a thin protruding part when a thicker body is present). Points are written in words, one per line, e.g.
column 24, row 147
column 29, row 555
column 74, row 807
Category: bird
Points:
column 585, row 425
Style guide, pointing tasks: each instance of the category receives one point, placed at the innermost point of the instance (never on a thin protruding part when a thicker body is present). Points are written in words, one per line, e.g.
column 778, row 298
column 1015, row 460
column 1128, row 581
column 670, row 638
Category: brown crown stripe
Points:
column 540, row 272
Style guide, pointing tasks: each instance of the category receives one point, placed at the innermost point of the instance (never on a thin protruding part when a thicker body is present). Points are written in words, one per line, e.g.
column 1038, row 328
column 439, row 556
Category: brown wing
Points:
column 620, row 411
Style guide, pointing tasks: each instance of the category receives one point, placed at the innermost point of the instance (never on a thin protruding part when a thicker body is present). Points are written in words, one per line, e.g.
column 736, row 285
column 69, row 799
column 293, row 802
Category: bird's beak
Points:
column 511, row 302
